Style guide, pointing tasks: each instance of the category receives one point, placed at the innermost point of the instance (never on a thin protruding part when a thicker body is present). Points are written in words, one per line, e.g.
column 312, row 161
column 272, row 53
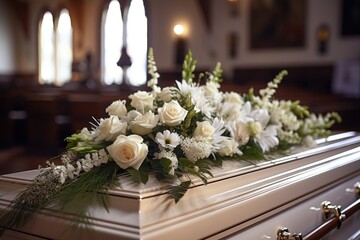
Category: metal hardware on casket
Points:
column 357, row 188
column 328, row 209
column 284, row 234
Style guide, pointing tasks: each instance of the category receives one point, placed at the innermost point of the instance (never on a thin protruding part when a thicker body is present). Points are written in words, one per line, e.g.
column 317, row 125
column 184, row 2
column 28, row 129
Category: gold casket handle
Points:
column 284, row 234
column 333, row 217
column 328, row 209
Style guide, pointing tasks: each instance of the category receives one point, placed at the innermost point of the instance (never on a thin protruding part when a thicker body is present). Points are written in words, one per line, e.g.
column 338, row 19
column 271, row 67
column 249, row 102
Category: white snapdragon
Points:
column 167, row 139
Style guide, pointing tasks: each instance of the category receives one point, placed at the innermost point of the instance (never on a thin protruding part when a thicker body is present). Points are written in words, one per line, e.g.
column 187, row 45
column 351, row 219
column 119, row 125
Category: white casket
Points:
column 242, row 201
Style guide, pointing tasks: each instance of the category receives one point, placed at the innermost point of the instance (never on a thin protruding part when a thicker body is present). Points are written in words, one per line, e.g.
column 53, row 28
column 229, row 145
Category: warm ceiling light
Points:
column 179, row 29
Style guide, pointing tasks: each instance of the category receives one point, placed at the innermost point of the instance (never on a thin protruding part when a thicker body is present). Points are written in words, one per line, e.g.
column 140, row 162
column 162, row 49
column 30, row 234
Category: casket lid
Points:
column 238, row 193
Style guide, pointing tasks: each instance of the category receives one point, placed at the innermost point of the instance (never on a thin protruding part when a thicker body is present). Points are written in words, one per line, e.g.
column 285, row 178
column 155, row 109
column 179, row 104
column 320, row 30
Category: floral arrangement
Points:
column 172, row 133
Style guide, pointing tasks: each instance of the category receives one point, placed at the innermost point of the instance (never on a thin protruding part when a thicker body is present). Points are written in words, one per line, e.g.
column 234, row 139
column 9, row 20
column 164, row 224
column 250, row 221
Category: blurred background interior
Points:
column 63, row 61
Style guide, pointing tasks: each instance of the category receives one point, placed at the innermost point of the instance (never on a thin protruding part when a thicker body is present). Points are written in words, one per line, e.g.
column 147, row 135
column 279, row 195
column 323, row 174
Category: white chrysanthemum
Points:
column 201, row 102
column 228, row 111
column 211, row 92
column 262, row 116
column 264, row 134
column 267, row 138
column 184, row 87
column 171, row 156
column 196, row 148
column 219, row 129
column 244, row 115
column 167, row 139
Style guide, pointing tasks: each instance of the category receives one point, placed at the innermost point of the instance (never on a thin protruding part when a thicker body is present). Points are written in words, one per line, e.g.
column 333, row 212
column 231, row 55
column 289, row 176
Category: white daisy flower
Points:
column 167, row 139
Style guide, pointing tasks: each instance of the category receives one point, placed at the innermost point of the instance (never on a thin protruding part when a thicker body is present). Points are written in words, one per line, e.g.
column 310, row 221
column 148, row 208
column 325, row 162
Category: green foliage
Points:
column 85, row 147
column 92, row 186
column 251, row 151
column 189, row 66
column 36, row 196
column 161, row 168
column 141, row 175
column 178, row 191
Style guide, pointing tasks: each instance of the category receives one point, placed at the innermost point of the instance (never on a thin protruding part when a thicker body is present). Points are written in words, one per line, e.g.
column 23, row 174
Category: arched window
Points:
column 64, row 55
column 113, row 34
column 55, row 49
column 137, row 42
column 46, row 49
column 112, row 43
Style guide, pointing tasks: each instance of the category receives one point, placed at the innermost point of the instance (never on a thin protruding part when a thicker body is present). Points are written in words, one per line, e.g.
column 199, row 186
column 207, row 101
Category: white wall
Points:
column 210, row 48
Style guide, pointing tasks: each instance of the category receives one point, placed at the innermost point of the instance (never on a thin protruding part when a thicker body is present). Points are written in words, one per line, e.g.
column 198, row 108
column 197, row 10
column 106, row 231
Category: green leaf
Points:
column 177, row 192
column 252, row 151
column 141, row 175
column 93, row 186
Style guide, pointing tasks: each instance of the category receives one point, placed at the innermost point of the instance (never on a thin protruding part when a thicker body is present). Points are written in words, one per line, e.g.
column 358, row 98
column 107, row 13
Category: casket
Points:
column 282, row 198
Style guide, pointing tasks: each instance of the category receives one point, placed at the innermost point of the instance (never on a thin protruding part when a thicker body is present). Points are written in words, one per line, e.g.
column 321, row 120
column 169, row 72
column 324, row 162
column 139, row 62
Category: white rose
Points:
column 165, row 94
column 172, row 114
column 117, row 108
column 142, row 101
column 242, row 133
column 204, row 129
column 144, row 124
column 110, row 128
column 128, row 151
column 228, row 148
